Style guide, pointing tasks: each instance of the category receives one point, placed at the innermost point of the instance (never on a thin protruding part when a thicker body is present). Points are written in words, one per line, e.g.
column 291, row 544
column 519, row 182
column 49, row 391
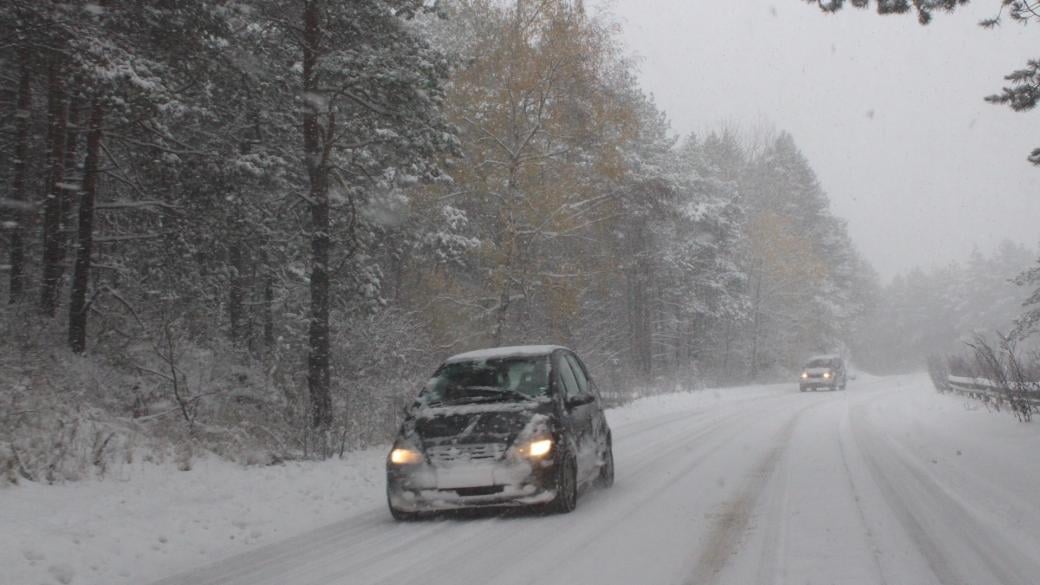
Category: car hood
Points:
column 817, row 371
column 499, row 423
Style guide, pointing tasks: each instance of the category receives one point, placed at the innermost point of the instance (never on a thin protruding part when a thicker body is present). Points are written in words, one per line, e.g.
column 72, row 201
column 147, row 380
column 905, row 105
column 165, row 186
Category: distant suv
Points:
column 502, row 427
column 824, row 371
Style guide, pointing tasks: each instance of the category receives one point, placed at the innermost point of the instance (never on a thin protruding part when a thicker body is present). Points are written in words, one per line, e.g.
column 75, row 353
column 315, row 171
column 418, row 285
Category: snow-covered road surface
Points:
column 886, row 483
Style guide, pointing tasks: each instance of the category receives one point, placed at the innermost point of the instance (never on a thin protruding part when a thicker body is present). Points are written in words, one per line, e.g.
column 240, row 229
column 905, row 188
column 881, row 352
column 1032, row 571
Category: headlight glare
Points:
column 405, row 456
column 826, row 374
column 805, row 375
column 538, row 448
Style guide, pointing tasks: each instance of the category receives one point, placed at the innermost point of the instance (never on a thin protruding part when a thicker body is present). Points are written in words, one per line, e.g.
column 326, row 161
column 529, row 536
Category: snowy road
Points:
column 862, row 486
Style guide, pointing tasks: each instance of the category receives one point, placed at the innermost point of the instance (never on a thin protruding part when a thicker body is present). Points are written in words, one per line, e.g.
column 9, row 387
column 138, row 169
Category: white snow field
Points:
column 885, row 483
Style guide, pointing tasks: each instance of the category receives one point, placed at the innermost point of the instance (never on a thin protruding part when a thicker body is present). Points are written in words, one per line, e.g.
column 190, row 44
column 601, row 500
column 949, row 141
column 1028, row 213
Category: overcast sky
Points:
column 890, row 114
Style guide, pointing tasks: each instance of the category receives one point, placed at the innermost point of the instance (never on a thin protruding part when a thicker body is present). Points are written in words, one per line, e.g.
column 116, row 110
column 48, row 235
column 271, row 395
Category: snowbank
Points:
column 155, row 520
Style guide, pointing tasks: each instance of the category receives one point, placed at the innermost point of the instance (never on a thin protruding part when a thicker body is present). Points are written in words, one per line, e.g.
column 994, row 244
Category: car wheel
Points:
column 566, row 488
column 606, row 470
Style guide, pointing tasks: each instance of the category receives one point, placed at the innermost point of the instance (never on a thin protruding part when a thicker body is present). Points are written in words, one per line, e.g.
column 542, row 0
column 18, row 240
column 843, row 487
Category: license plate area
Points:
column 465, row 476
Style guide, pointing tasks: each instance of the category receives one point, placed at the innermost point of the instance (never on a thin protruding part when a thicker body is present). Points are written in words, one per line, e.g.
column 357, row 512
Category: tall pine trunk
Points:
column 53, row 238
column 70, row 184
column 316, row 153
column 756, row 324
column 85, row 235
column 236, row 292
column 19, row 208
column 268, row 309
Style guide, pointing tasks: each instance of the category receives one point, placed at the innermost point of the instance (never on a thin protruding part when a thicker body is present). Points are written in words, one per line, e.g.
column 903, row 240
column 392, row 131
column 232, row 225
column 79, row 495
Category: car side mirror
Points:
column 579, row 400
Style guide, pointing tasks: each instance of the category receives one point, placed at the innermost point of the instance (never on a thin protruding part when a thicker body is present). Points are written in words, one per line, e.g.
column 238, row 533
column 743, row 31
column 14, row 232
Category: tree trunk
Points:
column 268, row 309
column 53, row 238
column 236, row 292
column 757, row 311
column 85, row 237
column 318, row 378
column 19, row 208
column 69, row 187
column 511, row 244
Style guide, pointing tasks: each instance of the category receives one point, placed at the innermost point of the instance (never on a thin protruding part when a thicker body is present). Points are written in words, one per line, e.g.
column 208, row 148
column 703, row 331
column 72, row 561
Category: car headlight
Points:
column 826, row 375
column 537, row 448
column 403, row 454
column 805, row 375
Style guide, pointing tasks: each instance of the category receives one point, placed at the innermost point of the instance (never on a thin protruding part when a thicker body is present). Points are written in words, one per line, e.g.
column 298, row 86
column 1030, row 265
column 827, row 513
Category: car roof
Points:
column 503, row 352
column 825, row 356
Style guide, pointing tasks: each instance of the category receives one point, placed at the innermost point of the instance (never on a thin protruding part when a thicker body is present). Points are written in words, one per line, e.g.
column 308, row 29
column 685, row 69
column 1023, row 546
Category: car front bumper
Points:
column 428, row 488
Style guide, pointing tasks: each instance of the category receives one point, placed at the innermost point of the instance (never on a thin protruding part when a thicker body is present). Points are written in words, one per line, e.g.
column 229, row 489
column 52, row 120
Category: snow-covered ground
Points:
column 888, row 482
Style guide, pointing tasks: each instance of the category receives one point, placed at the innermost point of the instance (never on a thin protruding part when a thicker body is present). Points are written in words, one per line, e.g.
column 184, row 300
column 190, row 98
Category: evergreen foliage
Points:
column 281, row 215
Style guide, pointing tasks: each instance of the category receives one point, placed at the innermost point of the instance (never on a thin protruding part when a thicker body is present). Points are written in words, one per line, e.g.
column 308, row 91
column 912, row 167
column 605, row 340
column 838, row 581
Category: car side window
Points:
column 579, row 374
column 568, row 382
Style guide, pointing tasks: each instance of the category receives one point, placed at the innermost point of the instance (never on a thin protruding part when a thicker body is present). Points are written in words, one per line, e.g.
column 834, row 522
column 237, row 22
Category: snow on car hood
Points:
column 473, row 423
column 817, row 371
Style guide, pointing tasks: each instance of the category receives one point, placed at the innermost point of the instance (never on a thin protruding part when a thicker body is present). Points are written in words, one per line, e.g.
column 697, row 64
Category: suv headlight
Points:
column 536, row 448
column 805, row 375
column 405, row 454
column 826, row 375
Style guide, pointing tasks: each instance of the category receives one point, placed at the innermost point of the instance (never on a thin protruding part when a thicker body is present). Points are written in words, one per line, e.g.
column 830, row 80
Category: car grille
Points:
column 479, row 491
column 452, row 453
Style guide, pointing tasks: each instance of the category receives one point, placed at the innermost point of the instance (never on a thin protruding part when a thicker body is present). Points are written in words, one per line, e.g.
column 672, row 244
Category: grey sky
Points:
column 889, row 113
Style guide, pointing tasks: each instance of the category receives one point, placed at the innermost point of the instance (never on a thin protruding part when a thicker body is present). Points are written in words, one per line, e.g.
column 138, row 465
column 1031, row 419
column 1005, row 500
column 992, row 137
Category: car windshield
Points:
column 501, row 379
column 822, row 363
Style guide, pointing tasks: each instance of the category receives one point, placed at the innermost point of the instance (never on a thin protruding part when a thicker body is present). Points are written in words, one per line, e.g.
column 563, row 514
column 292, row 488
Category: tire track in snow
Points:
column 256, row 565
column 726, row 535
column 914, row 496
column 772, row 566
column 875, row 548
column 368, row 532
column 631, row 429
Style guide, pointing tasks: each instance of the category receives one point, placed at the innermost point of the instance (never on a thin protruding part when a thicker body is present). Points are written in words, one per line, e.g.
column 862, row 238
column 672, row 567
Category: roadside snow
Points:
column 154, row 520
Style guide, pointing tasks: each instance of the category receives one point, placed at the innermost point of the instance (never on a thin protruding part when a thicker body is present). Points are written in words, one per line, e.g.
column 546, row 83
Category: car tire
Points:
column 566, row 488
column 606, row 470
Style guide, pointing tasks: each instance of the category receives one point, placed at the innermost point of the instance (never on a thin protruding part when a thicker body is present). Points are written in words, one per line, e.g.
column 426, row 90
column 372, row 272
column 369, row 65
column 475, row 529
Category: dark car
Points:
column 824, row 371
column 503, row 427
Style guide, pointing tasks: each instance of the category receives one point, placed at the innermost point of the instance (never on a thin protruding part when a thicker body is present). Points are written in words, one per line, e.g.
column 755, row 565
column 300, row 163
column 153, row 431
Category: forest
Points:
column 253, row 228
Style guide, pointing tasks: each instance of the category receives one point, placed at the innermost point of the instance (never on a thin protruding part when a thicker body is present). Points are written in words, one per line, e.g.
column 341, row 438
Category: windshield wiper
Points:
column 497, row 392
